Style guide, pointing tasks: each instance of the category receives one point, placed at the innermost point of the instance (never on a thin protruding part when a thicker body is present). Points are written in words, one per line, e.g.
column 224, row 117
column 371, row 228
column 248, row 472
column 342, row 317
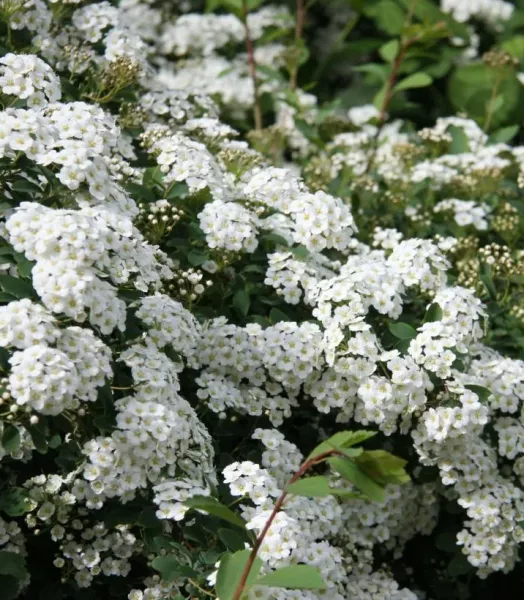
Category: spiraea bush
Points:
column 262, row 299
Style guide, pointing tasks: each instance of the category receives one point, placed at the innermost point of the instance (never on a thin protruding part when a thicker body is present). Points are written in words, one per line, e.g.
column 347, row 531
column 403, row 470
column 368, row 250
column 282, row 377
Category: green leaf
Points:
column 276, row 316
column 403, row 331
column 501, row 136
column 177, row 190
column 170, row 568
column 342, row 439
column 241, row 302
column 22, row 185
column 10, row 438
column 294, row 577
column 230, row 571
column 388, row 16
column 459, row 140
column 434, row 313
column 383, row 467
column 231, row 539
column 275, row 238
column 380, row 71
column 358, row 478
column 213, row 507
column 482, row 392
column 140, row 192
column 10, row 587
column 15, row 502
column 389, row 51
column 12, row 564
column 317, row 487
column 459, row 565
column 19, row 288
column 417, row 80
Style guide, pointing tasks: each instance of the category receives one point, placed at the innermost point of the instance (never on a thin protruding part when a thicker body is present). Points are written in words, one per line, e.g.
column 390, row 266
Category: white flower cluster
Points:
column 73, row 248
column 465, row 212
column 490, row 11
column 29, row 78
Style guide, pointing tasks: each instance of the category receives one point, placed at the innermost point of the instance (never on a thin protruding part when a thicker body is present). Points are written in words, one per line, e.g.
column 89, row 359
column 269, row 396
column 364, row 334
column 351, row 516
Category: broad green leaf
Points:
column 15, row 286
column 15, row 502
column 342, row 439
column 403, row 331
column 482, row 392
column 241, row 302
column 213, row 507
column 141, row 192
column 231, row 539
column 10, row 587
column 177, row 190
column 417, row 80
column 352, row 473
column 501, row 136
column 388, row 16
column 10, row 438
column 380, row 71
column 22, row 185
column 294, row 577
column 434, row 313
column 317, row 487
column 383, row 467
column 276, row 316
column 12, row 564
column 389, row 51
column 459, row 140
column 170, row 568
column 459, row 565
column 230, row 571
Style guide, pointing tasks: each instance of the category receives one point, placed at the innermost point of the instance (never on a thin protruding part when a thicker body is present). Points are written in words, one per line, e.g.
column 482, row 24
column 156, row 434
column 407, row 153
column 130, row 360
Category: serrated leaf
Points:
column 230, row 571
column 213, row 507
column 403, row 331
column 417, row 80
column 383, row 467
column 352, row 473
column 294, row 577
column 10, row 438
column 342, row 439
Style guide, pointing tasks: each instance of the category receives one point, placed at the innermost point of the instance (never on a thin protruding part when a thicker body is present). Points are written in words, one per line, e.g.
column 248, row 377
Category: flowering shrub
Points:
column 261, row 299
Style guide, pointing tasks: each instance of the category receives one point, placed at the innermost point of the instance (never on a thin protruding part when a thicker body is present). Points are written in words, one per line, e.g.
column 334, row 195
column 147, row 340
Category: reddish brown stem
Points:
column 278, row 505
column 299, row 28
column 392, row 79
column 252, row 65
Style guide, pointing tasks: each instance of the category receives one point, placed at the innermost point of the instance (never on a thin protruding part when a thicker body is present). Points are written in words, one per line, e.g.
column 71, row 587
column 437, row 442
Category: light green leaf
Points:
column 213, row 507
column 230, row 571
column 342, row 439
column 383, row 467
column 389, row 51
column 403, row 331
column 294, row 577
column 459, row 140
column 417, row 80
column 501, row 136
column 358, row 478
column 231, row 539
column 317, row 487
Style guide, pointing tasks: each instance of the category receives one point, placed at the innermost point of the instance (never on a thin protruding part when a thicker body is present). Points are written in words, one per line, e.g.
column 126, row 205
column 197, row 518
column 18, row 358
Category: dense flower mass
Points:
column 229, row 235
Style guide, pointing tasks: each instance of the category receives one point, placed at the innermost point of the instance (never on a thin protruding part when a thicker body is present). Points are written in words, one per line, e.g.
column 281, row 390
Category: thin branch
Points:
column 252, row 68
column 278, row 505
column 299, row 28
